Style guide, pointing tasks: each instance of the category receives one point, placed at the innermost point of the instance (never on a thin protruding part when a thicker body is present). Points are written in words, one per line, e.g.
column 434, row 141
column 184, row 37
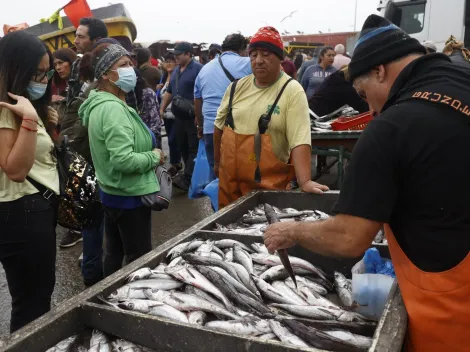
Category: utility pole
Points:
column 355, row 16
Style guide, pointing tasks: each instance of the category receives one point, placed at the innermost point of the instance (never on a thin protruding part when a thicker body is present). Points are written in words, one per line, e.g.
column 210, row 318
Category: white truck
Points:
column 434, row 20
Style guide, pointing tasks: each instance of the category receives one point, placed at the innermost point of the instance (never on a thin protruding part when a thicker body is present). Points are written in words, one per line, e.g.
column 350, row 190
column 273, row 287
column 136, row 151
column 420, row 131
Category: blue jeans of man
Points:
column 209, row 143
column 92, row 264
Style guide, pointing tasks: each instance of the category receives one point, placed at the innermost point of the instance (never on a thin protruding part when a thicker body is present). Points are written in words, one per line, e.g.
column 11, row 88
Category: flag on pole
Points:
column 77, row 9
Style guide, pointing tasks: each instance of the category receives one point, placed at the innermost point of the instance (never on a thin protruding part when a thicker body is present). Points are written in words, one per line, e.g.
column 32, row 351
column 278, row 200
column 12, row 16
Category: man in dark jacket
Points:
column 407, row 174
column 335, row 92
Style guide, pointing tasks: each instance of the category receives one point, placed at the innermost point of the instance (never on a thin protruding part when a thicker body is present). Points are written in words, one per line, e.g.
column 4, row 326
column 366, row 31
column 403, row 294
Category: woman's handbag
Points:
column 160, row 200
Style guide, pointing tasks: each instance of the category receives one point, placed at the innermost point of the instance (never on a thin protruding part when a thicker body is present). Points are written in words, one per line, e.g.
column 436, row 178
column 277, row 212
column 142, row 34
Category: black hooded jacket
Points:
column 411, row 169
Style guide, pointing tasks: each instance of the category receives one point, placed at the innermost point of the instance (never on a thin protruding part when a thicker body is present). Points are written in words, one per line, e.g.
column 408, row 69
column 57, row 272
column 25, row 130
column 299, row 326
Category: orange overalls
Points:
column 247, row 162
column 438, row 304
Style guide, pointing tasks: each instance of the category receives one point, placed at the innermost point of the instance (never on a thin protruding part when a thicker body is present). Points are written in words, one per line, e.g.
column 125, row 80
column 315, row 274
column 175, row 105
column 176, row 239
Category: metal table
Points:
column 338, row 144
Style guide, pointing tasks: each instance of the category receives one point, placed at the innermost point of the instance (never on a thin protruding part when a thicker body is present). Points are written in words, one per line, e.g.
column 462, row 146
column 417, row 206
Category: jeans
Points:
column 128, row 236
column 175, row 154
column 186, row 133
column 28, row 254
column 92, row 264
column 209, row 143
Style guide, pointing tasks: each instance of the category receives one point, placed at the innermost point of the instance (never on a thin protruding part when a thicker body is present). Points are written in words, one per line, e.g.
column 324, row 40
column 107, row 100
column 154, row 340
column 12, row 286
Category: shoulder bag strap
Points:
column 262, row 127
column 227, row 73
column 45, row 192
column 177, row 77
column 229, row 120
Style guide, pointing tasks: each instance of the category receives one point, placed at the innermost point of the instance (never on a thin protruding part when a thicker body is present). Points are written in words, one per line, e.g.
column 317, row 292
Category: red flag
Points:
column 76, row 10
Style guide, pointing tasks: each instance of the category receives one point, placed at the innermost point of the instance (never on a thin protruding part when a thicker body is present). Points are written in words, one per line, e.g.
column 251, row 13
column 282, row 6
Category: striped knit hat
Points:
column 380, row 42
column 268, row 38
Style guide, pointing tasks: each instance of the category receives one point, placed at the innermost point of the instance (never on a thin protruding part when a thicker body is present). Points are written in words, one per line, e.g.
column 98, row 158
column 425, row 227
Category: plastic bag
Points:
column 202, row 173
column 370, row 292
column 375, row 264
column 212, row 191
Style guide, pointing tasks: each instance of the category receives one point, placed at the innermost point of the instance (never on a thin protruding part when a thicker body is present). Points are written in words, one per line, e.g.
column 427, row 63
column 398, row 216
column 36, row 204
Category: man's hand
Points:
column 279, row 236
column 314, row 187
column 162, row 112
column 200, row 132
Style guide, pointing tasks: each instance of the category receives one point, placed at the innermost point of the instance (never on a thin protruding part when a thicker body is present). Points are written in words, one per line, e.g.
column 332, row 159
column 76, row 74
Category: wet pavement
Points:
column 182, row 214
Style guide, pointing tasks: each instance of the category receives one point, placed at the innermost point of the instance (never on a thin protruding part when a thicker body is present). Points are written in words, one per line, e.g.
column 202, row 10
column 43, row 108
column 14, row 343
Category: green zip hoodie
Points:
column 120, row 145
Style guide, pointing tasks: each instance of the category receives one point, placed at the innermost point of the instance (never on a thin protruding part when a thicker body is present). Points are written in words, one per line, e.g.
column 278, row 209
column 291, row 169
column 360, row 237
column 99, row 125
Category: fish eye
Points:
column 131, row 305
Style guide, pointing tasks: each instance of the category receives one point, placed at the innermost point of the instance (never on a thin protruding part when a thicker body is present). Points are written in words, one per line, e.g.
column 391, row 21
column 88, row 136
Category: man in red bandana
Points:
column 262, row 137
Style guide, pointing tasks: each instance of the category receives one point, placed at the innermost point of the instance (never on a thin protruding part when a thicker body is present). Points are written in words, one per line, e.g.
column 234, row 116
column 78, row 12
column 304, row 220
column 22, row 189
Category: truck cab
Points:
column 434, row 20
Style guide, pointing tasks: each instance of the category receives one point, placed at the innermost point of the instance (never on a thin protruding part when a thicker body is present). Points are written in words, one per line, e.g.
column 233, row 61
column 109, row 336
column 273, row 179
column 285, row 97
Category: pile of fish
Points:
column 255, row 221
column 380, row 238
column 228, row 286
column 99, row 342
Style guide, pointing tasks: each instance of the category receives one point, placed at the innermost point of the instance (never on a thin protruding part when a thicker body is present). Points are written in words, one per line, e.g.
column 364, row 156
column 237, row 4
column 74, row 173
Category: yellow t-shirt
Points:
column 290, row 122
column 44, row 168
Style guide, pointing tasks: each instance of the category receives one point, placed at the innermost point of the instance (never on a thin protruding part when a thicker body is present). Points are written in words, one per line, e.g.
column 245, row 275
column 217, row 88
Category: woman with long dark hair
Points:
column 29, row 181
column 124, row 154
column 316, row 74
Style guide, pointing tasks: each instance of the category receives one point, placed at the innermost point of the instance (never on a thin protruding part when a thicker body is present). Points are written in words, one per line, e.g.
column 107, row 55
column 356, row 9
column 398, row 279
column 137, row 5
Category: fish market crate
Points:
column 300, row 201
column 86, row 311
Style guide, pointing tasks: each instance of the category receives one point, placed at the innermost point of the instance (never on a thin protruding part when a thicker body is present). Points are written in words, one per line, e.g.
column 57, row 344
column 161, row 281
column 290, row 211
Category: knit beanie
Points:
column 268, row 38
column 380, row 42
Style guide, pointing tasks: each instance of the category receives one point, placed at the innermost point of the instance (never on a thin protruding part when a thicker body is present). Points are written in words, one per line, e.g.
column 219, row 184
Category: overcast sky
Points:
column 211, row 20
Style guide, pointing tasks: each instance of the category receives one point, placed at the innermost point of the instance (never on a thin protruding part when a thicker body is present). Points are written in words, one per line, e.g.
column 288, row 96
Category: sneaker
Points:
column 181, row 183
column 70, row 239
column 173, row 171
column 80, row 260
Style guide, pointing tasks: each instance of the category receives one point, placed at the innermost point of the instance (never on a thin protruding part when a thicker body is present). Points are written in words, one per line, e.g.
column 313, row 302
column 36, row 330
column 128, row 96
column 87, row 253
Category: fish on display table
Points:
column 64, row 345
column 153, row 308
column 197, row 318
column 357, row 340
column 344, row 289
column 278, row 272
column 285, row 335
column 286, row 291
column 243, row 258
column 99, row 342
column 301, row 281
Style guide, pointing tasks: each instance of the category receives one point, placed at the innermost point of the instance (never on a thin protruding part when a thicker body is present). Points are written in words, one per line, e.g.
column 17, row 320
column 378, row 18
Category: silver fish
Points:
column 192, row 277
column 99, row 342
column 286, row 291
column 189, row 303
column 273, row 260
column 285, row 335
column 246, row 326
column 269, row 336
column 140, row 274
column 159, row 276
column 343, row 315
column 312, row 312
column 315, row 299
column 126, row 292
column 380, row 236
column 207, row 249
column 196, row 260
column 160, row 268
column 125, row 346
column 229, row 255
column 245, row 277
column 259, row 269
column 176, row 250
column 243, row 258
column 176, row 261
column 278, row 272
column 227, row 243
column 357, row 340
column 191, row 290
column 344, row 289
column 192, row 246
column 259, row 248
column 156, row 284
column 271, row 293
column 154, row 308
column 236, row 284
column 64, row 345
column 301, row 281
column 197, row 318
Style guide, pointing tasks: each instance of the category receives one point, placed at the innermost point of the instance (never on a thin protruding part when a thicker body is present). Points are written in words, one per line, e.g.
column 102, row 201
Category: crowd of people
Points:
column 249, row 104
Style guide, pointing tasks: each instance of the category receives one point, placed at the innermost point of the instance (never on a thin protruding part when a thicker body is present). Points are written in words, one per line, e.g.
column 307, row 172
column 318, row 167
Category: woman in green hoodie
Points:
column 123, row 152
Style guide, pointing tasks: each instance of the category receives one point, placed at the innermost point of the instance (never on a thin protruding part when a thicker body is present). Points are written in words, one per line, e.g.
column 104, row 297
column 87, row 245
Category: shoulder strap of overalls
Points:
column 263, row 124
column 229, row 120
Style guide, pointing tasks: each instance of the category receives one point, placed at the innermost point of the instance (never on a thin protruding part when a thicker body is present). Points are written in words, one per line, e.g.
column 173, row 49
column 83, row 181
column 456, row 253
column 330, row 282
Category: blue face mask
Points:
column 36, row 90
column 127, row 79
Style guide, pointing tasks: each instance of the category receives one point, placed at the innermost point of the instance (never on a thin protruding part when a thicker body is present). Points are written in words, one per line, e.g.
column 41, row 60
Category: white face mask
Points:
column 127, row 79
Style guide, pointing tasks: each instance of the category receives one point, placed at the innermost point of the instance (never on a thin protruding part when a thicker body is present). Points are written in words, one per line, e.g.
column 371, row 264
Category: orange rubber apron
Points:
column 438, row 304
column 247, row 162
